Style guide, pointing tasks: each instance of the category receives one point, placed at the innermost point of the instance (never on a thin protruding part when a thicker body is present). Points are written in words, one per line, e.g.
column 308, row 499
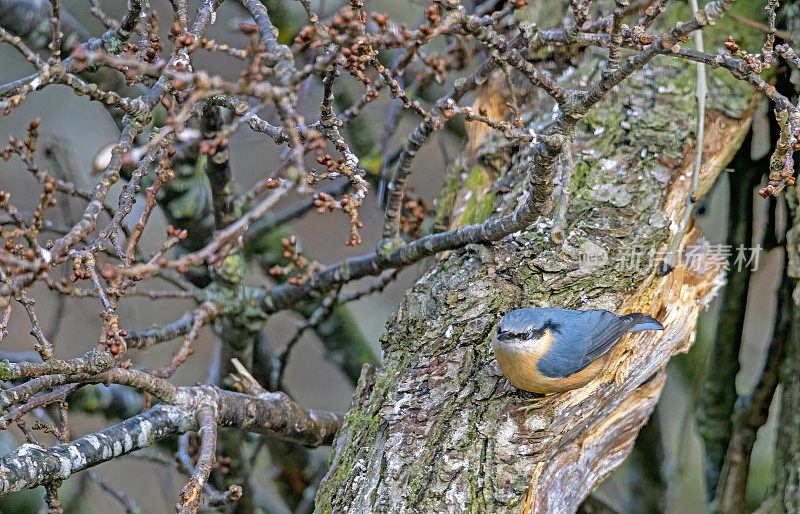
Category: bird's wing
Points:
column 580, row 340
column 604, row 330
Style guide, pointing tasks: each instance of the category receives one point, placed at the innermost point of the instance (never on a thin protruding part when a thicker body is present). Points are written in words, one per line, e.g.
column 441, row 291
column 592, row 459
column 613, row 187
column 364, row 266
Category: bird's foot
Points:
column 534, row 403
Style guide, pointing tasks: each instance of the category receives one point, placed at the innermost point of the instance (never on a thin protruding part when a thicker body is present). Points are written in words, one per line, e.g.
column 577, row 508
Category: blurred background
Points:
column 82, row 128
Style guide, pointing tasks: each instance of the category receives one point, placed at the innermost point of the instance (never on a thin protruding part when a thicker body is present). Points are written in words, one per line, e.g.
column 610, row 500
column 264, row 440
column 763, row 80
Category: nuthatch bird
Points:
column 554, row 350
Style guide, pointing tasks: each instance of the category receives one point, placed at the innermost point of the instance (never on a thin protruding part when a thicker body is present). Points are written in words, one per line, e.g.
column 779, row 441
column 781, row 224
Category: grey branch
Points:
column 272, row 414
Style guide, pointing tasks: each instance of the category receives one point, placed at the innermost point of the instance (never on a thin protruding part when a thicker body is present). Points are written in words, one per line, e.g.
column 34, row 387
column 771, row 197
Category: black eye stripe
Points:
column 536, row 334
column 504, row 336
column 530, row 334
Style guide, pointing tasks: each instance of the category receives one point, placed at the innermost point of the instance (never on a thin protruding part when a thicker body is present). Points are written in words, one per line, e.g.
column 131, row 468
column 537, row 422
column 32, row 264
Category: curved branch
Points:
column 273, row 414
column 31, row 465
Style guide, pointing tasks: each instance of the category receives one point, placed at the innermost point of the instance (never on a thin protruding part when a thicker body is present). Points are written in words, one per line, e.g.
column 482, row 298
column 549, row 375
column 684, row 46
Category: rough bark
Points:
column 437, row 428
column 786, row 497
column 786, row 494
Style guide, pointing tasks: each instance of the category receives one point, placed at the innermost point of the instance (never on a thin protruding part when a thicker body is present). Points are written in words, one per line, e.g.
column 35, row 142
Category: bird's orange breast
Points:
column 519, row 365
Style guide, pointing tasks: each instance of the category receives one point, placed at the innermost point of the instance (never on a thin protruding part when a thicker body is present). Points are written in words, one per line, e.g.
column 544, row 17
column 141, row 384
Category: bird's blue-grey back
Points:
column 585, row 336
column 572, row 341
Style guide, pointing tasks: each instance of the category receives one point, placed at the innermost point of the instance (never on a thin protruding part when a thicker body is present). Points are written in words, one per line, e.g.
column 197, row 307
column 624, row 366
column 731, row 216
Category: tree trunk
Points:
column 786, row 494
column 436, row 427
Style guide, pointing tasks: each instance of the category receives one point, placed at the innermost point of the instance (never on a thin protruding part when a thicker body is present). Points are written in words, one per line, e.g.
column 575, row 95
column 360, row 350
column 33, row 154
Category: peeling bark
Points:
column 437, row 428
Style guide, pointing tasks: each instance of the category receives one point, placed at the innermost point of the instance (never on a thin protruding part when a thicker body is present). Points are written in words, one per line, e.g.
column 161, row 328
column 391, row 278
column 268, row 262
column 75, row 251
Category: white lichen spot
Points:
column 608, row 164
column 64, row 467
column 535, row 423
column 76, row 457
column 659, row 220
column 457, row 498
column 23, row 450
column 455, row 465
column 449, row 332
column 117, row 448
column 92, row 439
column 145, row 427
column 461, row 430
column 401, row 402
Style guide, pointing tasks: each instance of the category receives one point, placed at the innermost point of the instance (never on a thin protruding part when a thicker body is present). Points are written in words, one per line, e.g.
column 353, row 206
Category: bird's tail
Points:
column 643, row 322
